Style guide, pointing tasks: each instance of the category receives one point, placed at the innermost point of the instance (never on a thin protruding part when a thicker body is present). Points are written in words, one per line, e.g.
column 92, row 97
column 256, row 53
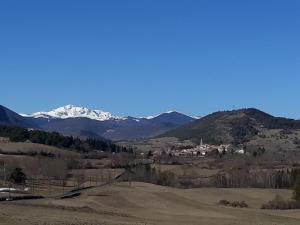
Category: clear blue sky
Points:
column 144, row 57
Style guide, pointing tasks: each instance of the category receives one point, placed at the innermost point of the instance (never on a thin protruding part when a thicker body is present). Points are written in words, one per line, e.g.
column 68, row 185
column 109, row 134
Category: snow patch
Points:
column 152, row 117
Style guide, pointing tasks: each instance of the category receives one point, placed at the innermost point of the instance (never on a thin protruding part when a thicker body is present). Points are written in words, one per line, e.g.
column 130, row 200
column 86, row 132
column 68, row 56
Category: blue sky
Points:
column 144, row 57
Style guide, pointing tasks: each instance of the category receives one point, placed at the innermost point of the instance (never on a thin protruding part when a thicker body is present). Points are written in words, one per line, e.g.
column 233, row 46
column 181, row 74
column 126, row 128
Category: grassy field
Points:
column 141, row 203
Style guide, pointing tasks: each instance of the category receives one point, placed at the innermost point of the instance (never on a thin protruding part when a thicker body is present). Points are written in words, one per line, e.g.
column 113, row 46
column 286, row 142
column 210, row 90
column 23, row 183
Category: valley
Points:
column 149, row 112
column 224, row 170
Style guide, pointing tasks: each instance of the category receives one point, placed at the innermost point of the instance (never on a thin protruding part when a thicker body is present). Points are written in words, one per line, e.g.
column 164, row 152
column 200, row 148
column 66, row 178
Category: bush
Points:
column 235, row 204
column 186, row 183
column 224, row 202
column 18, row 176
column 280, row 204
column 166, row 178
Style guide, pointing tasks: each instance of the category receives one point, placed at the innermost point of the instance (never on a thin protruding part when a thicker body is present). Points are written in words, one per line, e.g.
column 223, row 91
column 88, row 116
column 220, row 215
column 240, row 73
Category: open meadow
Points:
column 141, row 203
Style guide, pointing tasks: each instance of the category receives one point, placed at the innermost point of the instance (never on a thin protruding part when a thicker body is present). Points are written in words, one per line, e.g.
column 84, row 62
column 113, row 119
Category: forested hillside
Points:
column 18, row 134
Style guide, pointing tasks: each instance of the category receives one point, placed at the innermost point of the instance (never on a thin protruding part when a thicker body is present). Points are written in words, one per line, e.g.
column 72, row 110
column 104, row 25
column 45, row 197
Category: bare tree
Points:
column 80, row 178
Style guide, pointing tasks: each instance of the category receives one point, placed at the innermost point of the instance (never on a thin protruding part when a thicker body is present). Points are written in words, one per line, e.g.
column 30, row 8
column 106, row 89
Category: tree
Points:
column 79, row 178
column 18, row 176
column 297, row 188
column 150, row 154
column 254, row 154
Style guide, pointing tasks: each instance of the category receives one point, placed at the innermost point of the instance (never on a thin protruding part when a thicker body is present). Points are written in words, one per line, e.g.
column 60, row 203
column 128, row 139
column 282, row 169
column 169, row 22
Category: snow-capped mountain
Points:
column 71, row 111
column 84, row 122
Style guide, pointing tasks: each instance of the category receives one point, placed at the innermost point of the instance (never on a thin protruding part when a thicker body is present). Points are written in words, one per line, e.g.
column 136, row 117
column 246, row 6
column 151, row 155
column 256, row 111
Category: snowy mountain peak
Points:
column 72, row 111
column 171, row 111
column 152, row 117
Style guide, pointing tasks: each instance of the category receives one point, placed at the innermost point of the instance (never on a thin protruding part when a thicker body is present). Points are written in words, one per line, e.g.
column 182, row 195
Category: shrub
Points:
column 280, row 204
column 235, row 204
column 241, row 204
column 18, row 176
column 224, row 202
column 186, row 182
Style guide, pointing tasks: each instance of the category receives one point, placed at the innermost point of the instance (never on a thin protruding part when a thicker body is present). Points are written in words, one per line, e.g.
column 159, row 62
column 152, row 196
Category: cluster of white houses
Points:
column 202, row 150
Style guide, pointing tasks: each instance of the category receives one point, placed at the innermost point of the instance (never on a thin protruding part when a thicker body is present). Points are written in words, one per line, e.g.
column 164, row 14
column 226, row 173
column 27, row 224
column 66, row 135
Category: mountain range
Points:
column 250, row 127
column 85, row 123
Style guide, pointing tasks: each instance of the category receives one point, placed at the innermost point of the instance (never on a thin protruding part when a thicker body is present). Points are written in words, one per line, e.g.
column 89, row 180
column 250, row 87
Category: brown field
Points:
column 141, row 203
column 156, row 144
column 196, row 170
column 26, row 148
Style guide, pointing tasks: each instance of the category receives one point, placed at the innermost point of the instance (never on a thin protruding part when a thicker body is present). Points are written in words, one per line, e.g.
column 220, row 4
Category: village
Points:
column 201, row 150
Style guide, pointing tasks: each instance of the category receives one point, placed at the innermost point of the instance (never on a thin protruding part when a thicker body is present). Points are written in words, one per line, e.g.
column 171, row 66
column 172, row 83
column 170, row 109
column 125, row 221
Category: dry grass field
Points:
column 156, row 144
column 26, row 148
column 196, row 170
column 141, row 203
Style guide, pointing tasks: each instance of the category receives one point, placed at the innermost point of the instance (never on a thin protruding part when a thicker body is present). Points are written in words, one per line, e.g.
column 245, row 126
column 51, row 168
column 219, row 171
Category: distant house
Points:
column 240, row 151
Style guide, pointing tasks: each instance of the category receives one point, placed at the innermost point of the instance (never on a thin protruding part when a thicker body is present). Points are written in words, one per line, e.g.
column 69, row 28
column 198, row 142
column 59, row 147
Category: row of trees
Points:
column 288, row 179
column 18, row 134
column 240, row 178
column 146, row 173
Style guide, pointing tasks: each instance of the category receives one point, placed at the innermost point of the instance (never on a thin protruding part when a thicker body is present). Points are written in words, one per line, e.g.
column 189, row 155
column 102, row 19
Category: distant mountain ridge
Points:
column 8, row 117
column 142, row 128
column 83, row 122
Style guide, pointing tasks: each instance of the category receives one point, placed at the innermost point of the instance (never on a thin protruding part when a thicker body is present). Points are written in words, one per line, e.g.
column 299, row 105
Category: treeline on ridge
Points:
column 18, row 134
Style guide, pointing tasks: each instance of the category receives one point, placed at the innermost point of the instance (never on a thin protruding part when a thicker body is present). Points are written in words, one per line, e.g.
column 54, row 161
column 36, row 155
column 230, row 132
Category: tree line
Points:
column 242, row 178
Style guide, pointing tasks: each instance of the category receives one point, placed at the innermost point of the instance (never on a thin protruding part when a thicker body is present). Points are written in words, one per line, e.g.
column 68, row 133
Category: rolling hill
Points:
column 238, row 126
column 137, row 203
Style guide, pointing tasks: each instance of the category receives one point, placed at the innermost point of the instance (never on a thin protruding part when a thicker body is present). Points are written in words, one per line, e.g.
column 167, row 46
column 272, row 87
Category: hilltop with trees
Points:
column 19, row 134
column 237, row 127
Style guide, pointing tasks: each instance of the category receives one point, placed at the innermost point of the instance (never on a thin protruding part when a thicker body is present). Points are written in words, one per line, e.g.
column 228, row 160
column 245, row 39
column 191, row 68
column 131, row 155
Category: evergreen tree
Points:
column 297, row 188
